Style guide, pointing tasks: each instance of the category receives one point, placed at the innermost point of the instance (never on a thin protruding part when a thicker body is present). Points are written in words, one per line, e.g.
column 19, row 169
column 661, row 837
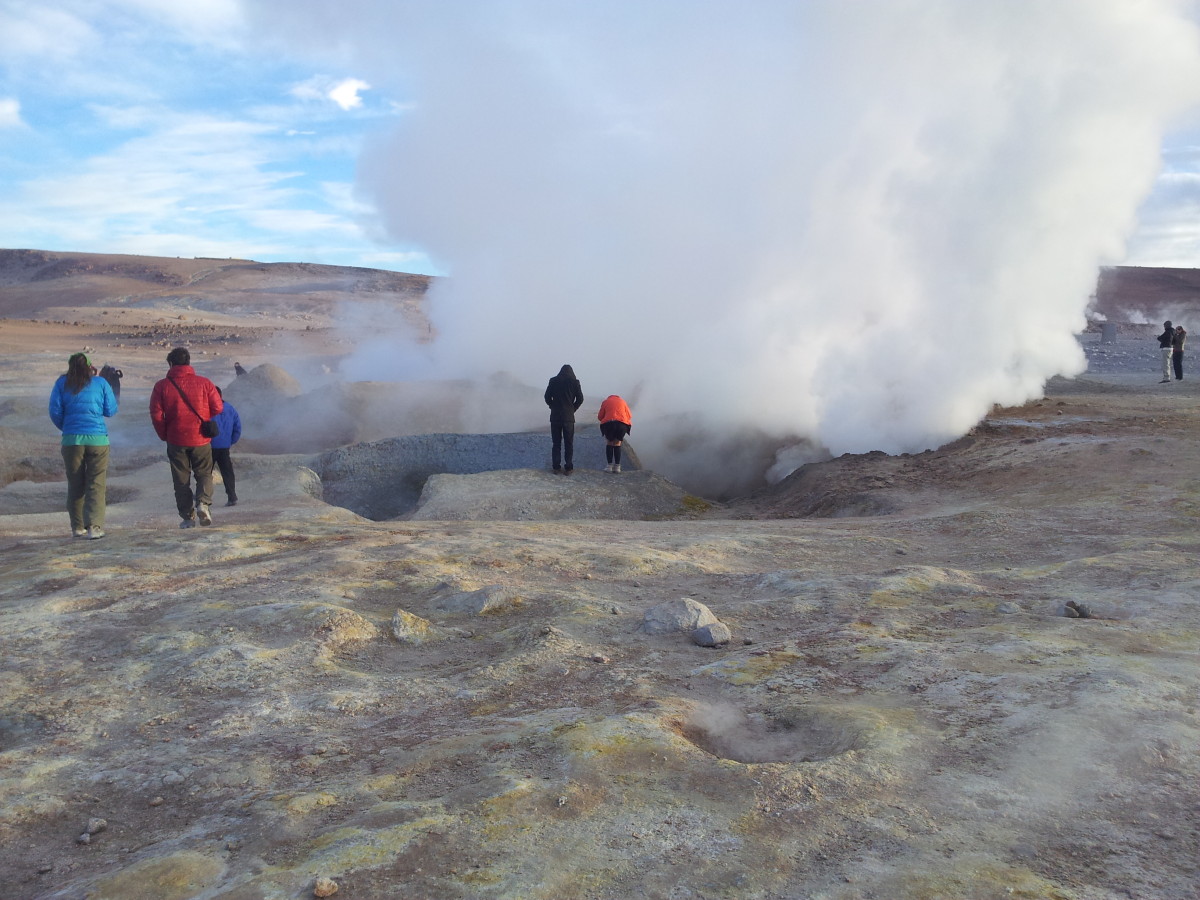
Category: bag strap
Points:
column 185, row 398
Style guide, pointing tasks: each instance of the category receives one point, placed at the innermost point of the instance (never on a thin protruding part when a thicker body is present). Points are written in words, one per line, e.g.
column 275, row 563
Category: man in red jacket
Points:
column 179, row 405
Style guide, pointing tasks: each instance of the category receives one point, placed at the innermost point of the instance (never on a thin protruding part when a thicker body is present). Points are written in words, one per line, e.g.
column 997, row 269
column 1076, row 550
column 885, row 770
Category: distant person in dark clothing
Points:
column 79, row 404
column 563, row 396
column 1177, row 351
column 237, row 369
column 113, row 376
column 229, row 424
column 1164, row 346
column 615, row 422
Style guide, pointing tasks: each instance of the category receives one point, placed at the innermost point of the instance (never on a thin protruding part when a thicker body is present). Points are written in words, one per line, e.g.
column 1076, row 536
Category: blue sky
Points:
column 157, row 127
column 167, row 128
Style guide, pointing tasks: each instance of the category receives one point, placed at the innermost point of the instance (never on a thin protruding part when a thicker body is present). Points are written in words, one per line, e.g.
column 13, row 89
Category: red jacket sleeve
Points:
column 158, row 416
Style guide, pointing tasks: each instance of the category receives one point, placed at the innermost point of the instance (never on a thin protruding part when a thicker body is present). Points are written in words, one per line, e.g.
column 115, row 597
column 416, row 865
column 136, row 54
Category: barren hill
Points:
column 1138, row 294
column 37, row 283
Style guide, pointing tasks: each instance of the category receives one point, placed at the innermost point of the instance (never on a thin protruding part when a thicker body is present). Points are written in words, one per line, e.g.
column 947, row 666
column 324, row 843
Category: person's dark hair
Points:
column 1167, row 324
column 566, row 372
column 220, row 393
column 179, row 357
column 79, row 372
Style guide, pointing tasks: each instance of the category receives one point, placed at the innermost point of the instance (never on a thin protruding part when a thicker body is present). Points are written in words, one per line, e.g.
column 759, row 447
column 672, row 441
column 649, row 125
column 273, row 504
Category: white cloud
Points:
column 34, row 31
column 10, row 113
column 314, row 88
column 212, row 20
column 345, row 94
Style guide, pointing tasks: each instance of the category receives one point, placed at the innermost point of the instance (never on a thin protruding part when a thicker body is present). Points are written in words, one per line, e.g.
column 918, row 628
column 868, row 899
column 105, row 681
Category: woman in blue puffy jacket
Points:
column 79, row 404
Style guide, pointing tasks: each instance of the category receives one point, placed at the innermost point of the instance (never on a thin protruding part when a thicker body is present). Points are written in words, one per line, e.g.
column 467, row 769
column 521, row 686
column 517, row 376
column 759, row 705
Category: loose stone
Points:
column 715, row 634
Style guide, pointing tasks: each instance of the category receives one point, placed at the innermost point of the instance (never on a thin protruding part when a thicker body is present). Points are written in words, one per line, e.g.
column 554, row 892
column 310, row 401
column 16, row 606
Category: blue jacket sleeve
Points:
column 110, row 399
column 56, row 405
column 236, row 432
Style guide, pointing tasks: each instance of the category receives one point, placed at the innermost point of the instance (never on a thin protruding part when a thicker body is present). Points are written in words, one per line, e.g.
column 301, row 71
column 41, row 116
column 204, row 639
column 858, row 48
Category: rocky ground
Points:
column 968, row 673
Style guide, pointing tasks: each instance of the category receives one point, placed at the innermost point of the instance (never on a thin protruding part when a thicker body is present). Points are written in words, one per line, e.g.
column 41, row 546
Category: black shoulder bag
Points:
column 208, row 427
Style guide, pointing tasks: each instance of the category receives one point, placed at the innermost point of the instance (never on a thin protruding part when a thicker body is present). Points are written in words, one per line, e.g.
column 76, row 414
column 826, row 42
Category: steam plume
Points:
column 830, row 226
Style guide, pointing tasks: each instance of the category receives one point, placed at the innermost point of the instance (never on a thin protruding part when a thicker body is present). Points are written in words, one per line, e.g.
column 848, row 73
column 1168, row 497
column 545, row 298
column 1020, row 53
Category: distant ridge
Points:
column 1133, row 293
column 33, row 283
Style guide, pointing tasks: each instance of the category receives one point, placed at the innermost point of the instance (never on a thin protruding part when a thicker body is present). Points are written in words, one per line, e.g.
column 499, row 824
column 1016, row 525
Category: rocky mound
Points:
column 385, row 479
column 538, row 495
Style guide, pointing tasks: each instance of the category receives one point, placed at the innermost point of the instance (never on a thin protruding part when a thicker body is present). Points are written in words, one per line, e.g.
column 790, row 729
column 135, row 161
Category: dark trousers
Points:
column 186, row 461
column 614, row 432
column 1177, row 361
column 562, row 436
column 87, row 478
column 224, row 465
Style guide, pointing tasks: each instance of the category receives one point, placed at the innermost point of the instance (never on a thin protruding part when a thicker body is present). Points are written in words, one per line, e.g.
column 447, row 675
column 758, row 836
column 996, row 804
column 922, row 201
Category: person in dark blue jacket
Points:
column 79, row 404
column 229, row 424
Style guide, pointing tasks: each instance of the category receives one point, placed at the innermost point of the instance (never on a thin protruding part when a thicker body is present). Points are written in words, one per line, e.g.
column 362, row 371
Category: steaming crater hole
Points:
column 795, row 734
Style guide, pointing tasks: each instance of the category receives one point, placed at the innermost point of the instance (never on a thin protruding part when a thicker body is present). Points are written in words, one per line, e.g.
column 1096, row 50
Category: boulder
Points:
column 684, row 614
column 410, row 629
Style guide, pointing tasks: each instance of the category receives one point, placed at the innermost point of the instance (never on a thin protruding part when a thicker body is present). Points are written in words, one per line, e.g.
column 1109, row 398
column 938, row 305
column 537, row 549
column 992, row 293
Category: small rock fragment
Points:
column 84, row 838
column 324, row 887
column 715, row 634
column 95, row 826
column 157, row 801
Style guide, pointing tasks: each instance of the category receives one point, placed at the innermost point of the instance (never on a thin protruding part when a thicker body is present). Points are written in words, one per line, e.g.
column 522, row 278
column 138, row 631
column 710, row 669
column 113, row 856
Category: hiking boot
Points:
column 568, row 471
column 79, row 532
column 616, row 468
column 203, row 514
column 608, row 468
column 188, row 523
column 232, row 501
column 95, row 533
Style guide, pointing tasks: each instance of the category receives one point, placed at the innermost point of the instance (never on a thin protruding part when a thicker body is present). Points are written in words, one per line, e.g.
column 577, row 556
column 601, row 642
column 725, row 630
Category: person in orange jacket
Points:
column 615, row 422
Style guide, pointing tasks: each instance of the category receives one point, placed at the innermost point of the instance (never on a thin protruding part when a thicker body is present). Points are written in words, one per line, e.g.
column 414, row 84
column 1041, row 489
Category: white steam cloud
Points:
column 801, row 226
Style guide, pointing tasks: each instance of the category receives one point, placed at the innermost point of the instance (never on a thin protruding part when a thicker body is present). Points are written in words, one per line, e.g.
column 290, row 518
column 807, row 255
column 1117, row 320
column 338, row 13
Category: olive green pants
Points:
column 87, row 478
column 186, row 462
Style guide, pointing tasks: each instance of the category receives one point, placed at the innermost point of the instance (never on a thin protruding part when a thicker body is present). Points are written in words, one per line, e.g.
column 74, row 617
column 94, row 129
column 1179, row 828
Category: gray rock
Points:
column 413, row 630
column 1008, row 608
column 384, row 479
column 684, row 614
column 489, row 599
column 715, row 634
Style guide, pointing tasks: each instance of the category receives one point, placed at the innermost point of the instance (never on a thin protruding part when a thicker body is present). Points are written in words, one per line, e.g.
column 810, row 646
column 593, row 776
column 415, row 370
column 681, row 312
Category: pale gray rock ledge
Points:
column 538, row 495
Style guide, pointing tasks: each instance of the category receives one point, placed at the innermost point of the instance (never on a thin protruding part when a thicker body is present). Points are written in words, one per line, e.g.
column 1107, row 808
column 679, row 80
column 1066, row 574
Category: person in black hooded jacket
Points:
column 563, row 396
column 1164, row 346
